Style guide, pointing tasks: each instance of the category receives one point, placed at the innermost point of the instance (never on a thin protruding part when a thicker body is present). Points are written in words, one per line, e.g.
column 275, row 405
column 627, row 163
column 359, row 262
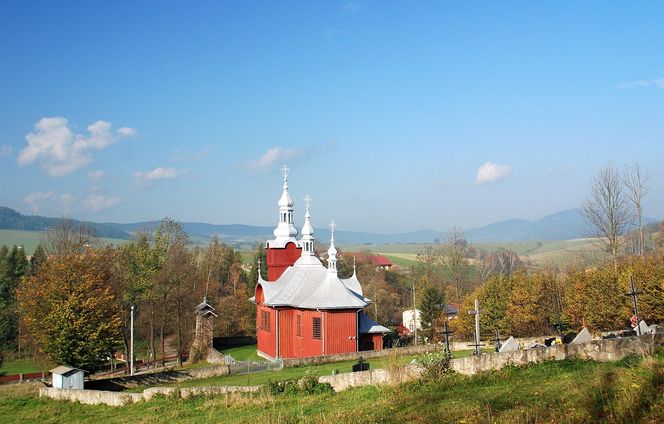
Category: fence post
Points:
column 20, row 376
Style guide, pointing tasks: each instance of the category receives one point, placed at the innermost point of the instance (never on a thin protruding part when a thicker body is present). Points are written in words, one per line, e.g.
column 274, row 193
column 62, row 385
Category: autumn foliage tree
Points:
column 71, row 310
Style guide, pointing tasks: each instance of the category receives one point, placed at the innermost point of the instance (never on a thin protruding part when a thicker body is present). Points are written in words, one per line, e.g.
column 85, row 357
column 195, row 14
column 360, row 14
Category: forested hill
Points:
column 12, row 220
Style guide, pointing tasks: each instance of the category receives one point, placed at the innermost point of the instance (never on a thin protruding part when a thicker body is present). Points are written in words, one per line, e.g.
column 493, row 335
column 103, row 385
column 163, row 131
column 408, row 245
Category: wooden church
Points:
column 303, row 308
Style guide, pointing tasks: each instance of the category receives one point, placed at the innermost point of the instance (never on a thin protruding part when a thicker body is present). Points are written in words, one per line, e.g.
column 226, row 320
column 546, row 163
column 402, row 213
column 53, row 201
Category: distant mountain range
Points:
column 564, row 225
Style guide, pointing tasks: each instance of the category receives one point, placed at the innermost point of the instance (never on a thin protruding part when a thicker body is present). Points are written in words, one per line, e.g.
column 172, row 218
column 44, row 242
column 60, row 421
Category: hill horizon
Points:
column 563, row 225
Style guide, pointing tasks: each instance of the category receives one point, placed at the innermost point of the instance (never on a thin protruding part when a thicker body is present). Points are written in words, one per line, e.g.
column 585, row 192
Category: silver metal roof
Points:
column 369, row 326
column 311, row 286
column 354, row 284
column 65, row 369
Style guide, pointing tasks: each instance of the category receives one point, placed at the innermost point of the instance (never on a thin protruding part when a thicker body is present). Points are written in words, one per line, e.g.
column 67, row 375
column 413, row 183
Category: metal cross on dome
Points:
column 332, row 226
column 307, row 201
column 284, row 171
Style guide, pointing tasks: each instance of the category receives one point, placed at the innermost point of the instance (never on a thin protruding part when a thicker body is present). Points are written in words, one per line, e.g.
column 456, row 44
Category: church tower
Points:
column 285, row 249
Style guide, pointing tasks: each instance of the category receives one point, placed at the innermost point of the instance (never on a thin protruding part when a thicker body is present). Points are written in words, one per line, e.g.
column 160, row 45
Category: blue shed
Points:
column 65, row 377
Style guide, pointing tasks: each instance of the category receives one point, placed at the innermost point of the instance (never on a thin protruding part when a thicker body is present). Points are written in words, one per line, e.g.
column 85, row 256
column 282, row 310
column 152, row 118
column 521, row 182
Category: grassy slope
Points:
column 573, row 391
column 17, row 366
column 243, row 353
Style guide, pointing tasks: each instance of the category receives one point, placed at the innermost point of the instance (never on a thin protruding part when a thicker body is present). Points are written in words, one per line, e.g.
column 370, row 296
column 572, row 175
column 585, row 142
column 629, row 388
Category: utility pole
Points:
column 131, row 348
column 415, row 314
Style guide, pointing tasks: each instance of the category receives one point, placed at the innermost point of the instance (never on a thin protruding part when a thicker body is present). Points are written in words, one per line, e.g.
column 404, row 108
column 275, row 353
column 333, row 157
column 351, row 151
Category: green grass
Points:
column 243, row 353
column 264, row 377
column 573, row 391
column 17, row 366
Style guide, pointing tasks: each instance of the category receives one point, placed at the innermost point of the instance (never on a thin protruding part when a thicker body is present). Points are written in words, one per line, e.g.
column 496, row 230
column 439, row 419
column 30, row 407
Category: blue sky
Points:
column 392, row 116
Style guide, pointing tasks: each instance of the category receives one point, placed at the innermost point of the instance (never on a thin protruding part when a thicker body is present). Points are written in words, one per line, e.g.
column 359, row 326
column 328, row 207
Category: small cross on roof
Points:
column 284, row 171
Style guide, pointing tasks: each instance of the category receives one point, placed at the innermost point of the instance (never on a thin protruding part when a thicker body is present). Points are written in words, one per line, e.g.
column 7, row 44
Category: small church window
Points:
column 265, row 320
column 299, row 325
column 317, row 328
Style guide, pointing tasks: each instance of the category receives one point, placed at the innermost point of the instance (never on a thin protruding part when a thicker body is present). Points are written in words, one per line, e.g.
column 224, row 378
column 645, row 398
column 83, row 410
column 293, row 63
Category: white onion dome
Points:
column 307, row 228
column 286, row 201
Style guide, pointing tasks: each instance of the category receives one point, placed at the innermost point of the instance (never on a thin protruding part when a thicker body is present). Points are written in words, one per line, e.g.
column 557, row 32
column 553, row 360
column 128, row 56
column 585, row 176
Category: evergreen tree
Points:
column 431, row 309
column 259, row 256
column 13, row 266
column 38, row 258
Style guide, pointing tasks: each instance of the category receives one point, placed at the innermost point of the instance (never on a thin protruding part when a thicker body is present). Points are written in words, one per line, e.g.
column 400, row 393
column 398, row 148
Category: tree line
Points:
column 72, row 302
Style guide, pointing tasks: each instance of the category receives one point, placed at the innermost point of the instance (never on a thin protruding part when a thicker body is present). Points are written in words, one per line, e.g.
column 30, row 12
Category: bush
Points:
column 306, row 385
column 435, row 365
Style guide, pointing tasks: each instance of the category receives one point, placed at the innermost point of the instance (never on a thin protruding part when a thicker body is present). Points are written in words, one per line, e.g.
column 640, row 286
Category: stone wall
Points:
column 523, row 341
column 317, row 360
column 362, row 378
column 598, row 350
column 408, row 350
column 151, row 379
column 99, row 397
column 91, row 397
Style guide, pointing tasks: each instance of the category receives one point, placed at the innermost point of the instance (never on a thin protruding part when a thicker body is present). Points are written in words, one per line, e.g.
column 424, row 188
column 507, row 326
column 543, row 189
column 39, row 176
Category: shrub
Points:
column 435, row 365
column 306, row 385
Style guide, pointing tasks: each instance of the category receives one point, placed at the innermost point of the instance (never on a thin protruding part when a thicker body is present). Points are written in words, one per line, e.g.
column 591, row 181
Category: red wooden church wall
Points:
column 340, row 332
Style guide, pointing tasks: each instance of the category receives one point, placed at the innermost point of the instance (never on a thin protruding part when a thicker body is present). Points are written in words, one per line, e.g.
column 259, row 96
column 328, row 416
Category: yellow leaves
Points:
column 70, row 309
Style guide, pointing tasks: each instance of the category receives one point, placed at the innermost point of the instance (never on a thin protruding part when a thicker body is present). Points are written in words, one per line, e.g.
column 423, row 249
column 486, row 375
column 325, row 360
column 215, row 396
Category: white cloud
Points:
column 491, row 172
column 126, row 132
column 443, row 184
column 657, row 83
column 273, row 156
column 98, row 202
column 36, row 199
column 96, row 175
column 159, row 173
column 5, row 150
column 60, row 151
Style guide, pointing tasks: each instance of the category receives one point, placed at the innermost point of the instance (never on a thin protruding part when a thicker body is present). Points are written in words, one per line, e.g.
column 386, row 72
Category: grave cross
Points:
column 497, row 340
column 634, row 294
column 477, row 313
column 447, row 333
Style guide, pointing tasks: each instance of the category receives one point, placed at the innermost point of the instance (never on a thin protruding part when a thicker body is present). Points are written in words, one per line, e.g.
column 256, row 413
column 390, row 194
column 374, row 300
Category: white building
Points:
column 411, row 319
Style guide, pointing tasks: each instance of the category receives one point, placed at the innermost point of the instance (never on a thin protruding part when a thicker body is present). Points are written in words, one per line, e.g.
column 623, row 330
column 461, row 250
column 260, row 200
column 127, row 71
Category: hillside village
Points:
column 193, row 315
column 331, row 212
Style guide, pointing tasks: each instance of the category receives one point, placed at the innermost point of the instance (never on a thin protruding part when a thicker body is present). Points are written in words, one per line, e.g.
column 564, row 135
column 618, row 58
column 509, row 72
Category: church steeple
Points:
column 307, row 240
column 285, row 229
column 332, row 252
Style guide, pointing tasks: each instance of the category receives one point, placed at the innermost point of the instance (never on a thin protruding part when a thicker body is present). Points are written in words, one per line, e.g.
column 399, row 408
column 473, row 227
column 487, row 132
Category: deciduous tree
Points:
column 607, row 210
column 71, row 310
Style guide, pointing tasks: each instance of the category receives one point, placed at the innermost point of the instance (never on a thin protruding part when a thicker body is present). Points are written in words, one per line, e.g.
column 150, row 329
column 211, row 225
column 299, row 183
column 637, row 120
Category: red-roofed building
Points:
column 379, row 261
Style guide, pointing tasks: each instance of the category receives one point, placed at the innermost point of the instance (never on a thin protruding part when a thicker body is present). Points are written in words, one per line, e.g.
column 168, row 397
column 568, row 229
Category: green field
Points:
column 572, row 391
column 557, row 252
column 31, row 239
